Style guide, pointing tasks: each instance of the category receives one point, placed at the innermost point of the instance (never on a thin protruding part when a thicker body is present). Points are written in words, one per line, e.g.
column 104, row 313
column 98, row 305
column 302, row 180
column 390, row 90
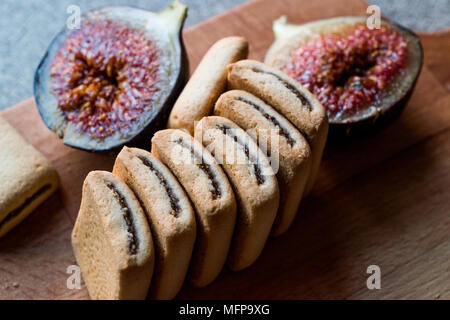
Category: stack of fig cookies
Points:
column 231, row 169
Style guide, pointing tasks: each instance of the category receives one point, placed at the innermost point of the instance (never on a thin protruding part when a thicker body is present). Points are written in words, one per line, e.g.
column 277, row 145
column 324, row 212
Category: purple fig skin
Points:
column 156, row 122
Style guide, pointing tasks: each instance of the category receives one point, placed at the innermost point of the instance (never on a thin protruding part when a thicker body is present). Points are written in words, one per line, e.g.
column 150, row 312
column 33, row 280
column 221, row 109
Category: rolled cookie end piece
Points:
column 206, row 83
column 111, row 240
column 28, row 178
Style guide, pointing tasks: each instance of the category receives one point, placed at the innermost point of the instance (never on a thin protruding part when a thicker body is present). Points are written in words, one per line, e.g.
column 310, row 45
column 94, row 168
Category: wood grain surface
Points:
column 382, row 200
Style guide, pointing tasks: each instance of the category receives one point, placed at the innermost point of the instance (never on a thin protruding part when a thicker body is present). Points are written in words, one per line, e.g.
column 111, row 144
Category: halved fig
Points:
column 115, row 78
column 364, row 77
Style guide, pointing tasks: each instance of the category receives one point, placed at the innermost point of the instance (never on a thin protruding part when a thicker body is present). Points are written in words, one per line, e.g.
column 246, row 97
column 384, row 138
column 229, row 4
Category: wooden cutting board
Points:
column 379, row 201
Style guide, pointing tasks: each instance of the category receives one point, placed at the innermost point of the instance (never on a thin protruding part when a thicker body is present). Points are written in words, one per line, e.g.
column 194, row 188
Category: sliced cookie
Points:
column 212, row 197
column 280, row 139
column 206, row 83
column 253, row 181
column 170, row 214
column 111, row 240
column 27, row 178
column 289, row 98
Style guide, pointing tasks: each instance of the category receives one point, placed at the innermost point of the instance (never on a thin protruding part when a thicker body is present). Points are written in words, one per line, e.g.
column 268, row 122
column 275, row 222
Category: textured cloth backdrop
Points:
column 28, row 26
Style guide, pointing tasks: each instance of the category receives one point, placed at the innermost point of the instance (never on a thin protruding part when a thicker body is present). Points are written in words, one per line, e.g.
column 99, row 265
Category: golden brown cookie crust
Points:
column 112, row 240
column 170, row 214
column 283, row 142
column 206, row 83
column 289, row 98
column 254, row 184
column 211, row 195
column 28, row 178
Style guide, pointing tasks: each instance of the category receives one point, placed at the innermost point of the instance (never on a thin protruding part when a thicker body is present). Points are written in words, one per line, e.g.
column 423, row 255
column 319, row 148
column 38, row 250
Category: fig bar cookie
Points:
column 207, row 83
column 280, row 139
column 27, row 178
column 170, row 214
column 111, row 240
column 288, row 97
column 211, row 194
column 254, row 183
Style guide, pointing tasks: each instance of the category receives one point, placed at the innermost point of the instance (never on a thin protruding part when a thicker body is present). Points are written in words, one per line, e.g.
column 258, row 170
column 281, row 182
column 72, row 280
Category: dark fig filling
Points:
column 305, row 102
column 251, row 159
column 174, row 201
column 348, row 72
column 133, row 242
column 104, row 77
column 16, row 212
column 206, row 168
column 281, row 131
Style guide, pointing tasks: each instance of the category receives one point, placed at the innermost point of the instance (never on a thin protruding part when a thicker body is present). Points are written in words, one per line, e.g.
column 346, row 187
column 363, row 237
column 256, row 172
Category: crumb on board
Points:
column 6, row 286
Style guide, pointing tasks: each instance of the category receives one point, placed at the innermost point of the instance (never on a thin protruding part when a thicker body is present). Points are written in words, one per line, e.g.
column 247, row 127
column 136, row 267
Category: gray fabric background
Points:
column 28, row 26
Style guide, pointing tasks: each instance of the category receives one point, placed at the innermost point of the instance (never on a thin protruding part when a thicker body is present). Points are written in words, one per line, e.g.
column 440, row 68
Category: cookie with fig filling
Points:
column 27, row 178
column 289, row 98
column 206, row 84
column 170, row 214
column 211, row 195
column 280, row 139
column 111, row 240
column 253, row 181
